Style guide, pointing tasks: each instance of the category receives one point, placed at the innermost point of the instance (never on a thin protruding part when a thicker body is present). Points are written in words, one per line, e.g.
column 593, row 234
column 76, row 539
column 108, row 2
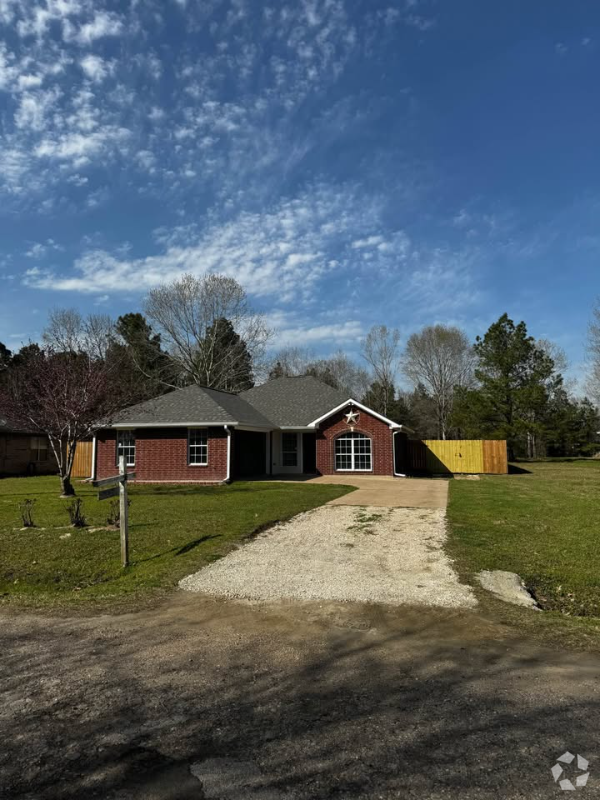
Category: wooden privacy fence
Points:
column 82, row 463
column 471, row 456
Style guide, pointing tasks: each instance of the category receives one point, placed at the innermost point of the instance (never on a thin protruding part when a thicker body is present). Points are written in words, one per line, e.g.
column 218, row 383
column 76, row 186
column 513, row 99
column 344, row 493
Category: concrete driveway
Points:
column 391, row 492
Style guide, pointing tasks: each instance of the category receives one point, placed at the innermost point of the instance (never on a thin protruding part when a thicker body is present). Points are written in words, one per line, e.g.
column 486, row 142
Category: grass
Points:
column 543, row 525
column 174, row 530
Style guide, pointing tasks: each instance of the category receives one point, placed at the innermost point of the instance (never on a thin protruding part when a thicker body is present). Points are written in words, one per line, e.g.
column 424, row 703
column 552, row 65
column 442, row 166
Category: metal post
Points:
column 123, row 512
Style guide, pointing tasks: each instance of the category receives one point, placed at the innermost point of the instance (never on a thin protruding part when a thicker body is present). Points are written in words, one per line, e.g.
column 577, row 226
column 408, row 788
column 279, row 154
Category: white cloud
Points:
column 285, row 252
column 40, row 250
column 370, row 241
column 96, row 68
column 289, row 330
column 80, row 147
column 243, row 144
column 34, row 108
column 102, row 25
column 30, row 81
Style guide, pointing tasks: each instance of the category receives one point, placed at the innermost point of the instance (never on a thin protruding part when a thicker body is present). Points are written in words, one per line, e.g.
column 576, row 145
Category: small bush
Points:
column 114, row 514
column 26, row 509
column 75, row 512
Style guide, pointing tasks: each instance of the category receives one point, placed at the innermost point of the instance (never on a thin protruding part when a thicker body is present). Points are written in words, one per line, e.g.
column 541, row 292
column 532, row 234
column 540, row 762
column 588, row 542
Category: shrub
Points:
column 114, row 514
column 75, row 512
column 26, row 509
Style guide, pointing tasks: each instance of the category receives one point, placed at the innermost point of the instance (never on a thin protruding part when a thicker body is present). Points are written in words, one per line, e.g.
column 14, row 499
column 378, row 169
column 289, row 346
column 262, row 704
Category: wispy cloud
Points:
column 77, row 104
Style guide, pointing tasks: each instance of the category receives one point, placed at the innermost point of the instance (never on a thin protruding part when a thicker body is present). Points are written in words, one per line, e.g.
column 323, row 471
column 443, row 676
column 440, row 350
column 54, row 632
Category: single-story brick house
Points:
column 23, row 452
column 284, row 427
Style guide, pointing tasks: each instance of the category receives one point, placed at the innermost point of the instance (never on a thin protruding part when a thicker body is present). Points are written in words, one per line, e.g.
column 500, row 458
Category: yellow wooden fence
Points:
column 82, row 463
column 467, row 456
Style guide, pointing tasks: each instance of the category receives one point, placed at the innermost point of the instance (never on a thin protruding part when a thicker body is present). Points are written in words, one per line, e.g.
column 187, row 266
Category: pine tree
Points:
column 227, row 362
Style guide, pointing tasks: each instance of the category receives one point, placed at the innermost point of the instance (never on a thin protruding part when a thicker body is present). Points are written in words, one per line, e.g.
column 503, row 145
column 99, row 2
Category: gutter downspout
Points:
column 228, row 475
column 93, row 475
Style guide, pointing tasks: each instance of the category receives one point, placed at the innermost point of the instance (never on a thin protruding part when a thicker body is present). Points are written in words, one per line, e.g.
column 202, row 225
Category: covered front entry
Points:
column 294, row 453
column 249, row 456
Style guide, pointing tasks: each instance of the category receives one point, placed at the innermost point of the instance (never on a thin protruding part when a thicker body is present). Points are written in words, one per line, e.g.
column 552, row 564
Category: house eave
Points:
column 295, row 428
column 129, row 425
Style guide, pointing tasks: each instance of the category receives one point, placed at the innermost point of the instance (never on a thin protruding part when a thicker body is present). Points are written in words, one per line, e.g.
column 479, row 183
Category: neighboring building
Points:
column 24, row 453
column 287, row 426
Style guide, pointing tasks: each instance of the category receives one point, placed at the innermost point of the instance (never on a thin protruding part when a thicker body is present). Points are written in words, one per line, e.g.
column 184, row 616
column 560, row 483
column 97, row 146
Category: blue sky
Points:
column 350, row 163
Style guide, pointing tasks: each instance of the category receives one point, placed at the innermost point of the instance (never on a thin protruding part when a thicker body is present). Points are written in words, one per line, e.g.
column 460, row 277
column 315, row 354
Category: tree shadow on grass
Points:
column 179, row 550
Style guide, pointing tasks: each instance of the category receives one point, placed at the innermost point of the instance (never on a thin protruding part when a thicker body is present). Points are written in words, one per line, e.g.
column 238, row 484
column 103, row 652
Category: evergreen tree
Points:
column 5, row 357
column 151, row 372
column 227, row 362
column 423, row 413
column 277, row 371
column 382, row 399
column 517, row 380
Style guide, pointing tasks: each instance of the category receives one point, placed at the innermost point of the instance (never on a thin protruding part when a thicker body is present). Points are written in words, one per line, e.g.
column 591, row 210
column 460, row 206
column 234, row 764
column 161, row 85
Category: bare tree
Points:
column 593, row 355
column 348, row 375
column 338, row 370
column 68, row 331
column 66, row 395
column 561, row 361
column 439, row 358
column 290, row 361
column 380, row 350
column 186, row 312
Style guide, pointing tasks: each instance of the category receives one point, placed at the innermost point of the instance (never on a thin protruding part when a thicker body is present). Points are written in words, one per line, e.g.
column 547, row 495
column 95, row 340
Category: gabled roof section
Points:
column 294, row 402
column 350, row 402
column 193, row 405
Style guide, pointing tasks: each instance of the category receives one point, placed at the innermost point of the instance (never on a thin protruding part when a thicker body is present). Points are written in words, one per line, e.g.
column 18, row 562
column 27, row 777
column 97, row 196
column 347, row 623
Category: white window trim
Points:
column 189, row 452
column 352, row 469
column 127, row 462
column 296, row 451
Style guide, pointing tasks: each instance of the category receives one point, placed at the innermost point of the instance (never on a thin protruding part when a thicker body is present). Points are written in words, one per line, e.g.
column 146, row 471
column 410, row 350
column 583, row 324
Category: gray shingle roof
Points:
column 193, row 405
column 294, row 402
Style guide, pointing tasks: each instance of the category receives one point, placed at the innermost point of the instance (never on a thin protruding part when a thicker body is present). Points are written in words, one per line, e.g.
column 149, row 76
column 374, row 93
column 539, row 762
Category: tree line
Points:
column 203, row 330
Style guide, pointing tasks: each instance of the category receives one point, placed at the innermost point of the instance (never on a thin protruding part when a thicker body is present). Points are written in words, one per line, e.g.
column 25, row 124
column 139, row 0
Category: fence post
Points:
column 123, row 512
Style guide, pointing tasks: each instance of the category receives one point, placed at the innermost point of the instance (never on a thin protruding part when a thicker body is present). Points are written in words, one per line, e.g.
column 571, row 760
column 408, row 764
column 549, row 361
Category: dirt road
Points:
column 313, row 700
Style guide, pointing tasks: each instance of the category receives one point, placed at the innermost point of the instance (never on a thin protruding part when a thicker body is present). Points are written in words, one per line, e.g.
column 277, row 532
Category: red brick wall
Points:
column 382, row 453
column 16, row 455
column 161, row 456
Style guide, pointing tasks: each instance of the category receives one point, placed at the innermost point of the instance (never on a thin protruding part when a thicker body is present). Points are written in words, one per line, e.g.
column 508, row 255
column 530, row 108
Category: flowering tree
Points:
column 65, row 395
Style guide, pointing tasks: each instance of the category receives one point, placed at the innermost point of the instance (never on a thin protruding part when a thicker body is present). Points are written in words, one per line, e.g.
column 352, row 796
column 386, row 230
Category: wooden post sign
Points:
column 117, row 485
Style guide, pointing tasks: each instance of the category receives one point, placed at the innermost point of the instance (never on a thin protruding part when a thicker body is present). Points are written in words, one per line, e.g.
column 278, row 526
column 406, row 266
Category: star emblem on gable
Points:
column 352, row 417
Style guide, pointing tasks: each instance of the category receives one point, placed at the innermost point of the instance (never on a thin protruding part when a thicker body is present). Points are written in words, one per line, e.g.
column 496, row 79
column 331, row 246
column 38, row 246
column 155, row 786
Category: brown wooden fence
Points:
column 82, row 464
column 466, row 456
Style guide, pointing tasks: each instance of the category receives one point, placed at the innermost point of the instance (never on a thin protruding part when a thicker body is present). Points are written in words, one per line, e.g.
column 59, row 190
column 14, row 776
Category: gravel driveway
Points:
column 356, row 553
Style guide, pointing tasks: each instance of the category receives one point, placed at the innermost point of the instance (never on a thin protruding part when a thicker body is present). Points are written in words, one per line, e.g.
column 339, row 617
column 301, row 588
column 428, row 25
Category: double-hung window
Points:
column 353, row 453
column 289, row 449
column 39, row 449
column 126, row 447
column 197, row 447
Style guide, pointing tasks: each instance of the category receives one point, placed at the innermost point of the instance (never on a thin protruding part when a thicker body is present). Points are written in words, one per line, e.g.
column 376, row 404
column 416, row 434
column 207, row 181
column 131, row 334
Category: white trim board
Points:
column 366, row 409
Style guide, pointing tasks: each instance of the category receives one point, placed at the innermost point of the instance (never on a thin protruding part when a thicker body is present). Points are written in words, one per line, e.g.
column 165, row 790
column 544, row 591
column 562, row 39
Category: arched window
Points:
column 353, row 453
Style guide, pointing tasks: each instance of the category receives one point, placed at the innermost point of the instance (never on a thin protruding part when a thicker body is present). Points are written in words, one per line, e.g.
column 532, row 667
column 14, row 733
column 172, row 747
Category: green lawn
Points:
column 542, row 524
column 174, row 530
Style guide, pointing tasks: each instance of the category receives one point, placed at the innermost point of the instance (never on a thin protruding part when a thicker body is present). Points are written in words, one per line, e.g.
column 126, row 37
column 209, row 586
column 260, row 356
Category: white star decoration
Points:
column 352, row 417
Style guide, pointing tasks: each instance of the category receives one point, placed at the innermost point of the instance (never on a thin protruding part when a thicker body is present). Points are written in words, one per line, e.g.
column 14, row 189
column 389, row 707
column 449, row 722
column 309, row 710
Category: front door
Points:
column 290, row 451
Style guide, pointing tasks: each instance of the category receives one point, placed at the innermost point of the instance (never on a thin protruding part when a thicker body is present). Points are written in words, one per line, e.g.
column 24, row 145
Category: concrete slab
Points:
column 393, row 492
